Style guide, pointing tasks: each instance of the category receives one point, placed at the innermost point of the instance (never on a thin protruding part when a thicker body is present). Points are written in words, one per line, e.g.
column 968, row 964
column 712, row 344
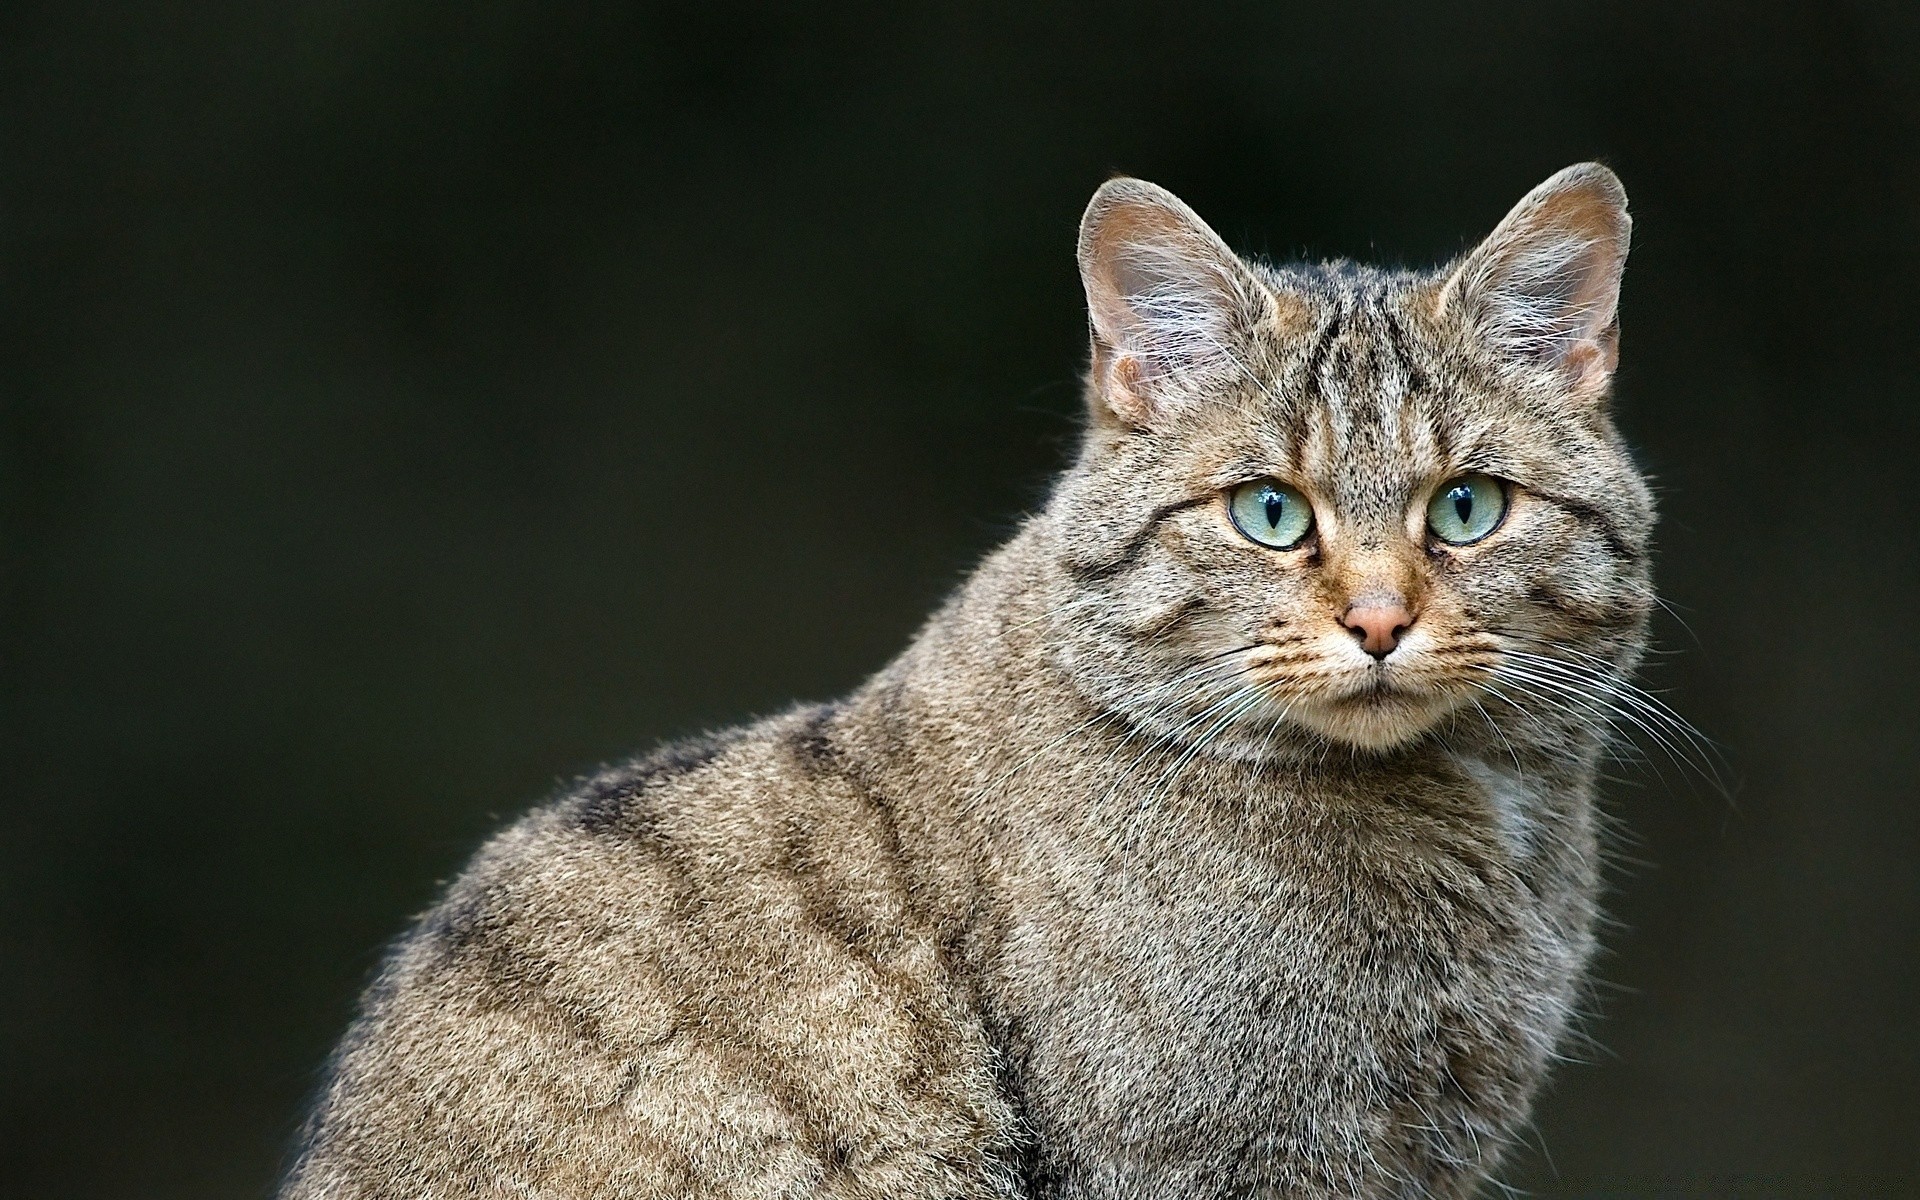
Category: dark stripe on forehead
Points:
column 1597, row 521
column 1416, row 378
column 1443, row 448
column 1317, row 359
column 1094, row 572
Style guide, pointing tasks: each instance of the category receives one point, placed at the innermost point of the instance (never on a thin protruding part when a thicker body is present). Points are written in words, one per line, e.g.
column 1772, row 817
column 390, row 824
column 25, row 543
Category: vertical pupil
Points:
column 1276, row 504
column 1463, row 503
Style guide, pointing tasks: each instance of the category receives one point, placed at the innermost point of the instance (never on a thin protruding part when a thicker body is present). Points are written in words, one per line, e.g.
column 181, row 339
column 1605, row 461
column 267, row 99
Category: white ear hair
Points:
column 1544, row 288
column 1169, row 302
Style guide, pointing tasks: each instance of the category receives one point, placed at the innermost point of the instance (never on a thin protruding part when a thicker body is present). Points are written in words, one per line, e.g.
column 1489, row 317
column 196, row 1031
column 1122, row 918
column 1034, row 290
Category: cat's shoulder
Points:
column 684, row 834
column 601, row 963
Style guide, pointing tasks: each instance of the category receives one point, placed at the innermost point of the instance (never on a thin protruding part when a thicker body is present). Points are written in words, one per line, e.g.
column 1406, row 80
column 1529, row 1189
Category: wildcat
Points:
column 1229, row 833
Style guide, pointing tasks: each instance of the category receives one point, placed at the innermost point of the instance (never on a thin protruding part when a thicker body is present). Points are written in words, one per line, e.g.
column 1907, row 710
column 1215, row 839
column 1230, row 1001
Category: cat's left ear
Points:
column 1171, row 305
column 1544, row 288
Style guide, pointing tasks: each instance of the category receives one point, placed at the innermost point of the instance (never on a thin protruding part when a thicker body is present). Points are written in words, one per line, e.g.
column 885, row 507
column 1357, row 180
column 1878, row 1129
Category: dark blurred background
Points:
column 408, row 405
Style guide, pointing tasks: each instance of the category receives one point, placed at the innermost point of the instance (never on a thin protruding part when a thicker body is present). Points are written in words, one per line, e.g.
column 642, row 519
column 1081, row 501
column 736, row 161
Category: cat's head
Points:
column 1334, row 502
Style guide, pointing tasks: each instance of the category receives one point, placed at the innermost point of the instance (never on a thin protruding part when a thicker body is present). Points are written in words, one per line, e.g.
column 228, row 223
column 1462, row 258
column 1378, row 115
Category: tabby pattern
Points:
column 1164, row 862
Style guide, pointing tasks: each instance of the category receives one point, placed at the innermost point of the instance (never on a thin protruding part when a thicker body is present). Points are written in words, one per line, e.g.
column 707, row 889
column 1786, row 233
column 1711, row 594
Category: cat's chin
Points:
column 1376, row 719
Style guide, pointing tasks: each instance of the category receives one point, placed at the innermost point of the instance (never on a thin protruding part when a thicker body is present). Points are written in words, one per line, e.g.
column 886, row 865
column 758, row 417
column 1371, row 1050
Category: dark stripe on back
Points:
column 818, row 754
column 610, row 801
column 811, row 743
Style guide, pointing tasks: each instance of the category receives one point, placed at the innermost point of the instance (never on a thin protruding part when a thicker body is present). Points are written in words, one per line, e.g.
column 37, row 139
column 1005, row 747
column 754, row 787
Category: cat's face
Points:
column 1335, row 503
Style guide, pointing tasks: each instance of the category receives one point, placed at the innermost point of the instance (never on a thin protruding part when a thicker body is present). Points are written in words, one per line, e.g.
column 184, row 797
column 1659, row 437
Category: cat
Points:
column 1229, row 833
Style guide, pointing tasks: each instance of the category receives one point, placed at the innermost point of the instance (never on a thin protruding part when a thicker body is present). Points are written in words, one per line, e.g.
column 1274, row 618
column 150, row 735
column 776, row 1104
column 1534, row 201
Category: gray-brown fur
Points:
column 1122, row 880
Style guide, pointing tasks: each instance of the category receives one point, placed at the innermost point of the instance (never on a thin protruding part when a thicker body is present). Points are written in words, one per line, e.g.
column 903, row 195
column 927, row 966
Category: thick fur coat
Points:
column 1144, row 871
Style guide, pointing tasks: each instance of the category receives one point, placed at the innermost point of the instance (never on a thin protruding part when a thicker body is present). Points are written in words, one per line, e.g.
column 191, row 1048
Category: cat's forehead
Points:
column 1354, row 393
column 1365, row 393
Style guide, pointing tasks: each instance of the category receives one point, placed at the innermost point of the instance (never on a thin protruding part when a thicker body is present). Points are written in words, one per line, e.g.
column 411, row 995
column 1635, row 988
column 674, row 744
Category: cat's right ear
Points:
column 1170, row 304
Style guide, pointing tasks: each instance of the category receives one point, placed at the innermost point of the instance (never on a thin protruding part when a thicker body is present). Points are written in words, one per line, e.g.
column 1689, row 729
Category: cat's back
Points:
column 699, row 973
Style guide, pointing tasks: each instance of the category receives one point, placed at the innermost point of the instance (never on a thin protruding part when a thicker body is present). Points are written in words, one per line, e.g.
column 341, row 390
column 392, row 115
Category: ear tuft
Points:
column 1544, row 288
column 1169, row 302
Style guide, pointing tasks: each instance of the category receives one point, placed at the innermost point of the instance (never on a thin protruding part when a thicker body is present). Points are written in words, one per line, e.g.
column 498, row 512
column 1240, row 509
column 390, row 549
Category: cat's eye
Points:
column 1270, row 513
column 1467, row 509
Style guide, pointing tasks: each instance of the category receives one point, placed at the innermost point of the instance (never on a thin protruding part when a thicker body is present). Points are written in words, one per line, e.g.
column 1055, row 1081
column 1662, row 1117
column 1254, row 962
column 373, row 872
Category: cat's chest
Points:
column 1310, row 885
column 1226, row 994
column 1195, row 928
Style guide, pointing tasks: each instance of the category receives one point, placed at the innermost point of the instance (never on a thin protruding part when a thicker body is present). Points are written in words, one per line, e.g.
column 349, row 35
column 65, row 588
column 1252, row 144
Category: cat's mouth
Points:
column 1378, row 690
column 1378, row 708
column 1377, row 685
column 1370, row 703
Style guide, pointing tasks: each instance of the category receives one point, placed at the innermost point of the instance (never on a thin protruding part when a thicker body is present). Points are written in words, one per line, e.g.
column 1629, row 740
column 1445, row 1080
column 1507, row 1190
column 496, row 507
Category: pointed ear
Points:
column 1170, row 303
column 1544, row 288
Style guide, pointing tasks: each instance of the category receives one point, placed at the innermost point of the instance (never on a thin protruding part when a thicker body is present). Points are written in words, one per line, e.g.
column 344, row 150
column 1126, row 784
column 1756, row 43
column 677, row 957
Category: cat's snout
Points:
column 1378, row 623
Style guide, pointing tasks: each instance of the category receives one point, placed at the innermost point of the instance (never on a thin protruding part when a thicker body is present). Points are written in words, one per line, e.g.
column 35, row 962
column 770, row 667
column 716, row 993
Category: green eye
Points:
column 1271, row 513
column 1467, row 509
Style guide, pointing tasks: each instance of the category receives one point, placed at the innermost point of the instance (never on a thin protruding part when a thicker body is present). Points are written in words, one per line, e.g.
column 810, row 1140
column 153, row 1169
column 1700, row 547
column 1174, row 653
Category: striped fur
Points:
column 1132, row 876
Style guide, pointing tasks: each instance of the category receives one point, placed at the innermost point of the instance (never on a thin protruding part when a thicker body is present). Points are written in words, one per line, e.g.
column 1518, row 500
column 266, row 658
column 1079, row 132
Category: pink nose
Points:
column 1378, row 624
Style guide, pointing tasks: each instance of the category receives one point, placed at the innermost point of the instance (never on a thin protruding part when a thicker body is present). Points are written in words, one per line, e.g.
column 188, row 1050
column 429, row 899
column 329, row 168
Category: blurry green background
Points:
column 408, row 405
